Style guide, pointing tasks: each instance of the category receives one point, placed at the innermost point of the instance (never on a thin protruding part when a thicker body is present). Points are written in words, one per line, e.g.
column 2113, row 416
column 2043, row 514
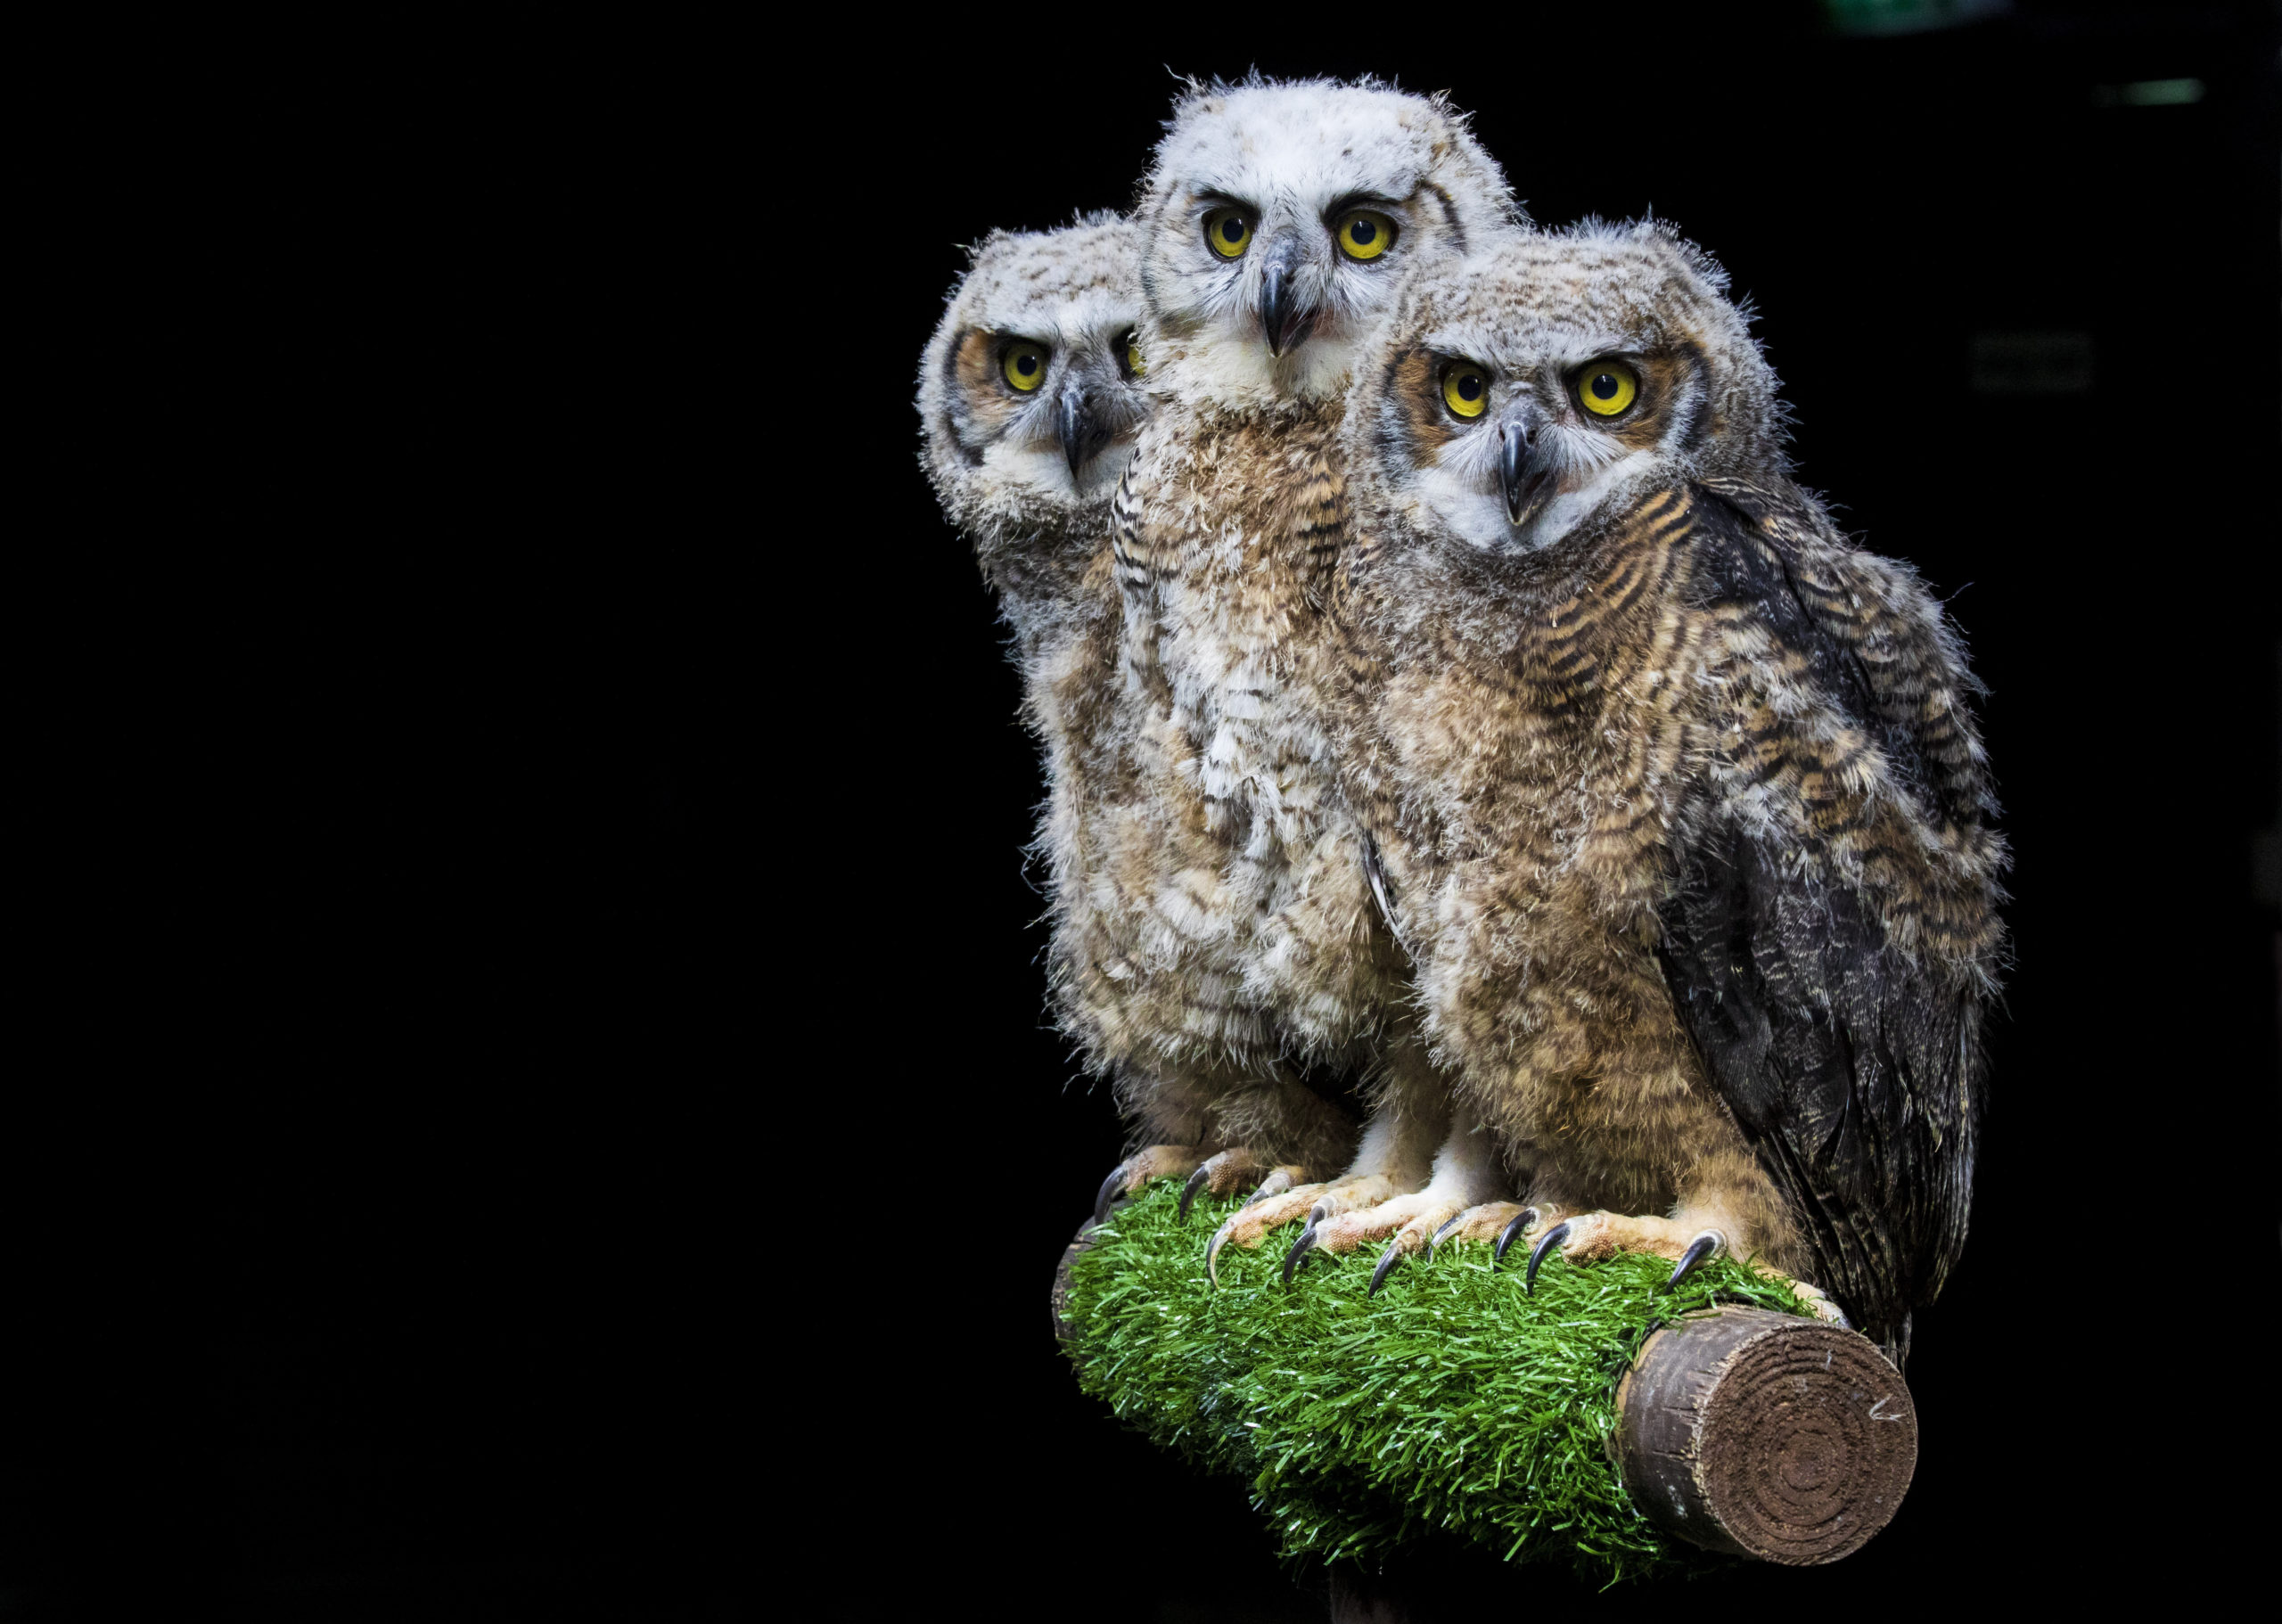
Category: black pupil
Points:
column 1026, row 363
column 1470, row 387
column 1604, row 386
column 1233, row 229
column 1365, row 234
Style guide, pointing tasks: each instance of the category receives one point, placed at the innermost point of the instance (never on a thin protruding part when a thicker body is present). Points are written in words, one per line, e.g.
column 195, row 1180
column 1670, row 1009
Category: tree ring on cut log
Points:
column 1766, row 1436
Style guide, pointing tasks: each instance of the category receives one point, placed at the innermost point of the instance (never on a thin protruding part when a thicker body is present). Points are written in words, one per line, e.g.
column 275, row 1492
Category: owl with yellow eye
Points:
column 1030, row 393
column 1681, row 805
column 1217, row 950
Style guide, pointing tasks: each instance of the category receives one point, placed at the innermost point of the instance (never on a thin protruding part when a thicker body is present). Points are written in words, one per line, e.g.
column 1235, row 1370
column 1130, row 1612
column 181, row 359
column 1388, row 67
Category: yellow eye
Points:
column 1133, row 356
column 1365, row 234
column 1465, row 390
column 1605, row 388
column 1229, row 232
column 1026, row 365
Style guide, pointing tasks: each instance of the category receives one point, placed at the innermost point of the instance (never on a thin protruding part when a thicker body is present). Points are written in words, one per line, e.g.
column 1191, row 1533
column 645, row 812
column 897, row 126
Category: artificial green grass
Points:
column 1450, row 1401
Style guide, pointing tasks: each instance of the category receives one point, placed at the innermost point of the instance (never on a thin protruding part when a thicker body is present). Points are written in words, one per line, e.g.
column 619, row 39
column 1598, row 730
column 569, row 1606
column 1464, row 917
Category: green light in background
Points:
column 1909, row 16
column 2150, row 93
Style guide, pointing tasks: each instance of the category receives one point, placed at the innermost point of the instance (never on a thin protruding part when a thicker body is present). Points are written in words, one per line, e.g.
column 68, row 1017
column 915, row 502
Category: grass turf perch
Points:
column 1593, row 1418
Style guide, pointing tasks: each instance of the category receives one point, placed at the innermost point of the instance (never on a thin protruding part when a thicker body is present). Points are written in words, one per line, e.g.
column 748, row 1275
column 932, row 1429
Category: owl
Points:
column 1218, row 950
column 1678, row 799
column 1030, row 397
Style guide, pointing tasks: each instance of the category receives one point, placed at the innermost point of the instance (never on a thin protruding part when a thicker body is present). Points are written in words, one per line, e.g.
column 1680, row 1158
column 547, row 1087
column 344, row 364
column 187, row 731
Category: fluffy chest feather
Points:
column 1537, row 753
column 1249, row 657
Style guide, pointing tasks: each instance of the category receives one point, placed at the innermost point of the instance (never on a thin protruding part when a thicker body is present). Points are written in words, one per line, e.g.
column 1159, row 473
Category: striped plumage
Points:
column 1677, row 794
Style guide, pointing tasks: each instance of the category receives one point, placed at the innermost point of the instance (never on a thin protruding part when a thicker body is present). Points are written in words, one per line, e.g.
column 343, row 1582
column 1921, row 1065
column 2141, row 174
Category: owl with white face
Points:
column 1679, row 799
column 1218, row 948
column 1029, row 398
column 1278, row 220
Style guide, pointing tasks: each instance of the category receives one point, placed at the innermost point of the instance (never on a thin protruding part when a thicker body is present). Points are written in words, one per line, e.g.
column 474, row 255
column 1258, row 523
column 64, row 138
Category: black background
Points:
column 535, row 1101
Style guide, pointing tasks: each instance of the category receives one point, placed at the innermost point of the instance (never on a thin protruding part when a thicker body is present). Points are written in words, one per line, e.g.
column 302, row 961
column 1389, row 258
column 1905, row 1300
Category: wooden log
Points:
column 1747, row 1431
column 1765, row 1435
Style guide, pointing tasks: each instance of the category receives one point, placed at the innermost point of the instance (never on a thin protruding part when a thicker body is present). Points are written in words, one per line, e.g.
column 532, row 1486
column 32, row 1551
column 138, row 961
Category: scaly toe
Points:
column 1224, row 1174
column 1277, row 1183
column 1141, row 1168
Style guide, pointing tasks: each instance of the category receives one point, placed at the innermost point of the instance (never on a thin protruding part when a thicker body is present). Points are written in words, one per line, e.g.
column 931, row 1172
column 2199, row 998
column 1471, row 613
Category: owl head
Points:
column 1029, row 392
column 1512, row 393
column 1278, row 218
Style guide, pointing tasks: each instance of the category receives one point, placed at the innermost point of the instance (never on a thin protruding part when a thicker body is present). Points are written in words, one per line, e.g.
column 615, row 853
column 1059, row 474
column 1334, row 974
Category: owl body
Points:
column 1218, row 950
column 1224, row 916
column 1677, row 793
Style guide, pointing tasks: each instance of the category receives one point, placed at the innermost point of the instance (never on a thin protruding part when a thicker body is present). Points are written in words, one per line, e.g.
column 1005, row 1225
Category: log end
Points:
column 1767, row 1436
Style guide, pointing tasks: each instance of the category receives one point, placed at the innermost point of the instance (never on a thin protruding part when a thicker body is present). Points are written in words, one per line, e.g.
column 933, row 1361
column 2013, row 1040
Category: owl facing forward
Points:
column 1684, row 813
column 1217, row 948
column 1030, row 397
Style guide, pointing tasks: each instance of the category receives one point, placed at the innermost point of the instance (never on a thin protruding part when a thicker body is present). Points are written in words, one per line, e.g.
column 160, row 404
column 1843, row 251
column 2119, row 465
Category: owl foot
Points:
column 1498, row 1222
column 1231, row 1170
column 1144, row 1167
column 1590, row 1237
column 1326, row 1219
column 1411, row 1219
column 1284, row 1198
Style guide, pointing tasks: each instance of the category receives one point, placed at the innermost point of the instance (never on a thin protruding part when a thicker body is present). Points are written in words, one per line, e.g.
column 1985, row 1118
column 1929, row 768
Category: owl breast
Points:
column 1265, row 875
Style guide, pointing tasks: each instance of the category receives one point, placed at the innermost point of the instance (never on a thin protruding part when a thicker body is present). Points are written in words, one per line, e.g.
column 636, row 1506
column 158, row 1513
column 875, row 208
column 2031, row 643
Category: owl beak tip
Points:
column 1286, row 320
column 1512, row 458
column 1080, row 434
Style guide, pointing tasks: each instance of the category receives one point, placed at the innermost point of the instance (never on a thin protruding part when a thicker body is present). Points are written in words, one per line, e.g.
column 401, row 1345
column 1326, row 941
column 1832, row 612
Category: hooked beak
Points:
column 1520, row 472
column 1081, row 431
column 1283, row 317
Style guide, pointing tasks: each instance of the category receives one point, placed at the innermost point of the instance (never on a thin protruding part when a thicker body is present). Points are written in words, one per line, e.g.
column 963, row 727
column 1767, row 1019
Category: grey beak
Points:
column 1513, row 459
column 1081, row 433
column 1286, row 320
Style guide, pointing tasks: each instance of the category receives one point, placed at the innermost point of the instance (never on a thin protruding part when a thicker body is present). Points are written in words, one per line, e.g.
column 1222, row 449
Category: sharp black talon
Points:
column 1111, row 1187
column 1546, row 1242
column 1300, row 1247
column 1434, row 1241
column 1387, row 1260
column 1703, row 1246
column 1196, row 1181
column 1512, row 1233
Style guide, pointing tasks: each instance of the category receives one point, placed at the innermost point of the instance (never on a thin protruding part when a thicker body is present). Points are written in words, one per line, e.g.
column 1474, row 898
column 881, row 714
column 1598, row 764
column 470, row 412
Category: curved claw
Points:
column 1110, row 1188
column 1212, row 1249
column 1275, row 1183
column 1702, row 1246
column 1546, row 1242
column 1434, row 1241
column 1387, row 1260
column 1300, row 1247
column 1196, row 1181
column 1512, row 1233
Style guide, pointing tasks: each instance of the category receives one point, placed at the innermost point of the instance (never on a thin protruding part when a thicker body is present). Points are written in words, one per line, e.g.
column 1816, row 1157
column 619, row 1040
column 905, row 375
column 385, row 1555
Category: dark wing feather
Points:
column 1832, row 968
